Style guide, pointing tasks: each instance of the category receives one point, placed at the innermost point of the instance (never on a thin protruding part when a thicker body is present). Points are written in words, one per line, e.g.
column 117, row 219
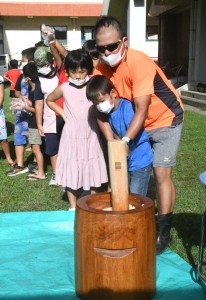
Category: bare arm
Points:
column 56, row 55
column 104, row 126
column 39, row 104
column 141, row 110
column 61, row 48
column 1, row 94
column 51, row 101
column 7, row 78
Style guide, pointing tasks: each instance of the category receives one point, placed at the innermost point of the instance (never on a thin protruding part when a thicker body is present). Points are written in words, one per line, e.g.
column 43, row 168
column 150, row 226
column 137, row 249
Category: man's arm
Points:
column 141, row 110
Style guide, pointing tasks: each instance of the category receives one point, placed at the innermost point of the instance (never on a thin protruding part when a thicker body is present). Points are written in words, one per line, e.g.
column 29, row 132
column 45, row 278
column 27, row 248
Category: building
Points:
column 172, row 32
column 20, row 22
column 178, row 25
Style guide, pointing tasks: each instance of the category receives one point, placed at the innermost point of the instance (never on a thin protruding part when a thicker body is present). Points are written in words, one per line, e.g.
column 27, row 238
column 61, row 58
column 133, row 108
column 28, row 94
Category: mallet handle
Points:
column 118, row 175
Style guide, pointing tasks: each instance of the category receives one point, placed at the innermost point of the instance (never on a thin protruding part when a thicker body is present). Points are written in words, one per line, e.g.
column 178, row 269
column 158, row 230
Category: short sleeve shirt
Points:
column 140, row 154
column 43, row 88
column 13, row 75
column 138, row 75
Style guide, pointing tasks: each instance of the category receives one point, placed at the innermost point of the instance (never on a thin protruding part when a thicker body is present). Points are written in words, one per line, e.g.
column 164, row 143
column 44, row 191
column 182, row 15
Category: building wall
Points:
column 197, row 61
column 21, row 21
column 23, row 32
column 132, row 15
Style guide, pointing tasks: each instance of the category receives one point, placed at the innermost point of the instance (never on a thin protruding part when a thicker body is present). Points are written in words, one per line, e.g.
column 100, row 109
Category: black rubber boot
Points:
column 164, row 224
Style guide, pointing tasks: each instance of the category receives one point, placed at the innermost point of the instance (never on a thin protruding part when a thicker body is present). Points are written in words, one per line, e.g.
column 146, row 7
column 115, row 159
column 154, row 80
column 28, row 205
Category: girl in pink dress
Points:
column 80, row 162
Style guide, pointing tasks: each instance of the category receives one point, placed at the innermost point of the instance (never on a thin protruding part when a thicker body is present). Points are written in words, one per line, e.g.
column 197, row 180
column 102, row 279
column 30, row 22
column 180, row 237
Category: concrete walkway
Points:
column 195, row 109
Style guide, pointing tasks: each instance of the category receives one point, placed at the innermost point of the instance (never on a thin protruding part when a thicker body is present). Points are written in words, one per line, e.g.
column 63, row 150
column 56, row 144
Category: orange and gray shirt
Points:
column 138, row 75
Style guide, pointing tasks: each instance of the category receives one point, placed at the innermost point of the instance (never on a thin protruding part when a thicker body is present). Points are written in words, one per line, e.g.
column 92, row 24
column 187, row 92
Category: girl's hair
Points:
column 98, row 84
column 78, row 58
column 106, row 21
column 89, row 46
column 30, row 70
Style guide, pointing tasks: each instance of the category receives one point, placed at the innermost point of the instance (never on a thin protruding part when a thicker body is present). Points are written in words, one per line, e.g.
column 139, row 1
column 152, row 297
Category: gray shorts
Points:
column 165, row 143
column 34, row 137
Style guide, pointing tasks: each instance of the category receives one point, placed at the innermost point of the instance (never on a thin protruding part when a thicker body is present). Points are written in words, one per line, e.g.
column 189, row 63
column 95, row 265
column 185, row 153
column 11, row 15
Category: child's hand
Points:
column 41, row 130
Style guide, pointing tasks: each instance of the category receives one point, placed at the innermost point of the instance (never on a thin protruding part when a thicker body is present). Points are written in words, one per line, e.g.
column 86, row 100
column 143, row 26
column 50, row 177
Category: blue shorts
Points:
column 20, row 129
column 51, row 144
column 139, row 180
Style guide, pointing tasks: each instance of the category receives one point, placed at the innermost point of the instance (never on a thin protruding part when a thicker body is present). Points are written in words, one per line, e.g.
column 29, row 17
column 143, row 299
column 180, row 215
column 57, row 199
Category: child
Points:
column 3, row 132
column 31, row 76
column 48, row 35
column 48, row 81
column 80, row 162
column 89, row 46
column 12, row 76
column 21, row 118
column 120, row 112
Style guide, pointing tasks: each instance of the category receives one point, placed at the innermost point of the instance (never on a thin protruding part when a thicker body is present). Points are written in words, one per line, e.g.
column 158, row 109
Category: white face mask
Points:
column 45, row 70
column 113, row 59
column 105, row 107
column 79, row 82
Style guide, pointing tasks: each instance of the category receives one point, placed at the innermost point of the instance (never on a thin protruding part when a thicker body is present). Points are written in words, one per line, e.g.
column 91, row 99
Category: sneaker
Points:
column 16, row 170
column 34, row 168
column 52, row 180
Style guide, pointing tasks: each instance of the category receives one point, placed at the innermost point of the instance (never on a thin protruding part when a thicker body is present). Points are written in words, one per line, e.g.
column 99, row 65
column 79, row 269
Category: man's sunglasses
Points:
column 110, row 47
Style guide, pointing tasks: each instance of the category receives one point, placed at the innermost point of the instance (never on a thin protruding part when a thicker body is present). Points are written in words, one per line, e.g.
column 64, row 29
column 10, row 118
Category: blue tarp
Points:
column 37, row 261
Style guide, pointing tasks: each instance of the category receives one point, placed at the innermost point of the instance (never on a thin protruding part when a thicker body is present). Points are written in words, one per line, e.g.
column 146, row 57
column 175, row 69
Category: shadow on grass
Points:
column 10, row 128
column 188, row 228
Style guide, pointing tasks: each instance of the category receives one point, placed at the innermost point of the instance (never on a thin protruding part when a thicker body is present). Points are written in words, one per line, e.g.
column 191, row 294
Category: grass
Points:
column 17, row 194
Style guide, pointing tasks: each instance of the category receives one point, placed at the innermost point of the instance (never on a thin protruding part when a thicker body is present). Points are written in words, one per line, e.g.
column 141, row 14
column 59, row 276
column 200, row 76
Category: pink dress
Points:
column 80, row 161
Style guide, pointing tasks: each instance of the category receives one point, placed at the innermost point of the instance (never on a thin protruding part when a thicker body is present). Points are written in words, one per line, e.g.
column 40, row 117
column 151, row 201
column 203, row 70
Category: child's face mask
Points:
column 105, row 107
column 78, row 82
column 44, row 70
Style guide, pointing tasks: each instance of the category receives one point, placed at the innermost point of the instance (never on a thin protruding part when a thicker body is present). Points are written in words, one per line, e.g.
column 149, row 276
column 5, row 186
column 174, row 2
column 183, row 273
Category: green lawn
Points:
column 17, row 194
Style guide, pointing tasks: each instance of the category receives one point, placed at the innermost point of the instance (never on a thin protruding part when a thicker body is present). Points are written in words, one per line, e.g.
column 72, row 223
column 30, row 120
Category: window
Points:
column 87, row 33
column 60, row 34
column 152, row 32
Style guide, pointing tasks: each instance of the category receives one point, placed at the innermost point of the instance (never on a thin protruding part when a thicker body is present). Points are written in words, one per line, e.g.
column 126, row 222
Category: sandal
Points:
column 33, row 177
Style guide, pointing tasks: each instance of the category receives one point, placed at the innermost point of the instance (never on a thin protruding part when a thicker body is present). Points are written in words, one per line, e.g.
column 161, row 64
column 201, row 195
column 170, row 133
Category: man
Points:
column 157, row 107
